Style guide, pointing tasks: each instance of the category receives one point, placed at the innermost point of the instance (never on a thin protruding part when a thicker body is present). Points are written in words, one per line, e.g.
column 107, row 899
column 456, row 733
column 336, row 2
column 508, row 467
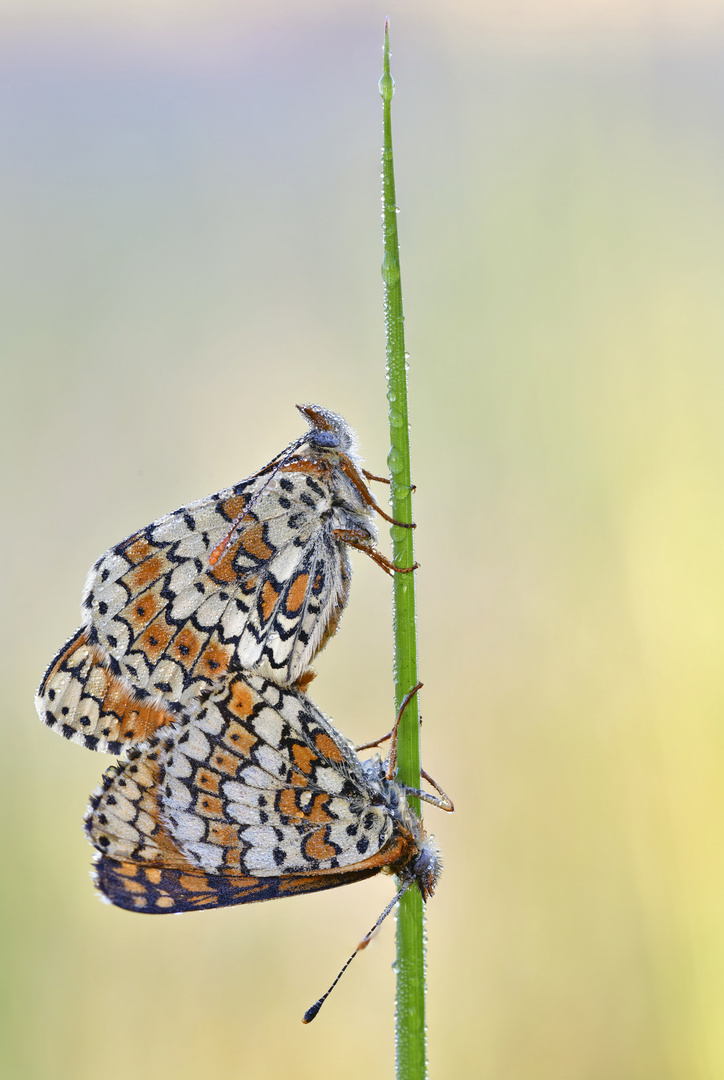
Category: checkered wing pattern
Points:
column 173, row 620
column 254, row 797
column 252, row 578
column 82, row 699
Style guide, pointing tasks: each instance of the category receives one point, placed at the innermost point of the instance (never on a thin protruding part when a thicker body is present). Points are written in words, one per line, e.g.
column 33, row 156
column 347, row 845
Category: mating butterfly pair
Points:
column 193, row 656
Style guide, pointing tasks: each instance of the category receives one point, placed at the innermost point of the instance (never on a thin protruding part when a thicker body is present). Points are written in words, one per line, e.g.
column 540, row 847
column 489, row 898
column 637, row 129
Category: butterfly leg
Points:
column 392, row 760
column 382, row 479
column 443, row 803
column 358, row 539
column 350, row 471
column 378, row 742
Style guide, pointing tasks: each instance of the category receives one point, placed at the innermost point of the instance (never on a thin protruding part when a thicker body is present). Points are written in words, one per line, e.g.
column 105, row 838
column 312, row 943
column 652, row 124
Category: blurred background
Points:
column 189, row 211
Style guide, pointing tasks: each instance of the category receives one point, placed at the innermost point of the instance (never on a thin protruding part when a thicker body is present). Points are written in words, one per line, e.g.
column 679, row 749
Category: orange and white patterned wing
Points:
column 82, row 699
column 173, row 619
column 252, row 578
column 259, row 781
column 253, row 798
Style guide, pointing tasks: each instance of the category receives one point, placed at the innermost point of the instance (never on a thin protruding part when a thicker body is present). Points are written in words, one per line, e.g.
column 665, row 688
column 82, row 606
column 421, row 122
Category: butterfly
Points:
column 254, row 796
column 252, row 578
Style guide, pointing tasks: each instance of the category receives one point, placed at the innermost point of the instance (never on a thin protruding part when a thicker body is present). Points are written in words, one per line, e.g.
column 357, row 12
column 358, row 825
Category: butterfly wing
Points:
column 254, row 798
column 259, row 781
column 173, row 620
column 82, row 699
column 162, row 622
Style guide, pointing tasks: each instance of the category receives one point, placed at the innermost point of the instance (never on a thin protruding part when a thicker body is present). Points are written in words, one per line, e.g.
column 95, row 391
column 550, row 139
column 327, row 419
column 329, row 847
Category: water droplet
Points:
column 397, row 420
column 394, row 460
column 387, row 87
column 390, row 270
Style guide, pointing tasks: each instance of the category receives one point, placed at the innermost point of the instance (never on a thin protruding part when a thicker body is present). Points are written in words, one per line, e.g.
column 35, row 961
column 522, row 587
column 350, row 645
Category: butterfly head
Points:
column 329, row 431
column 427, row 867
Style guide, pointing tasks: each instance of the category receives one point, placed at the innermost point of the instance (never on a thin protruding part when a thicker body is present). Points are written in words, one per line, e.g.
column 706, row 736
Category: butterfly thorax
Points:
column 420, row 861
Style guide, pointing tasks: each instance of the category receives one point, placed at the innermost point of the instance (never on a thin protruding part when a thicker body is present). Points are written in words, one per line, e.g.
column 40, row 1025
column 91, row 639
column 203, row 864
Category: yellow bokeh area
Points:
column 191, row 245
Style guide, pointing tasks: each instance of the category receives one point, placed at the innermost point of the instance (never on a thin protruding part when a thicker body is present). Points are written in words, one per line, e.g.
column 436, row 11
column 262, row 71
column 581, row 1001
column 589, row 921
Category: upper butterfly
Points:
column 254, row 577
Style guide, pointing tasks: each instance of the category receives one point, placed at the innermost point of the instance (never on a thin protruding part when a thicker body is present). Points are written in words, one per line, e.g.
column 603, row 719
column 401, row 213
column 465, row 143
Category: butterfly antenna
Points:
column 312, row 1012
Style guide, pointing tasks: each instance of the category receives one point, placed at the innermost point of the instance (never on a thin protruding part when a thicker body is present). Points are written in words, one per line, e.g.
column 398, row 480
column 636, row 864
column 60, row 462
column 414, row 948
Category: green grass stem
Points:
column 410, row 1002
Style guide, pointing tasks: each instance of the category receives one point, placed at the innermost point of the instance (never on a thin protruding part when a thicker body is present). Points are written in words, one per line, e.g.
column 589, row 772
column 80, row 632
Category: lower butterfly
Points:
column 254, row 796
column 252, row 578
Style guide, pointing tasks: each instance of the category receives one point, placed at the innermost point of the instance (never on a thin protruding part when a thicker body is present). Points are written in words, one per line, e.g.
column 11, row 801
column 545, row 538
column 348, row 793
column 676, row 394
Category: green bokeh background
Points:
column 189, row 210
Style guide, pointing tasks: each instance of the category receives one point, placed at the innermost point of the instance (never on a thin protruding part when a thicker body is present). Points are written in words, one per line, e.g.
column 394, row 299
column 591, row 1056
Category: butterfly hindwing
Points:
column 252, row 796
column 87, row 703
column 163, row 891
column 258, row 780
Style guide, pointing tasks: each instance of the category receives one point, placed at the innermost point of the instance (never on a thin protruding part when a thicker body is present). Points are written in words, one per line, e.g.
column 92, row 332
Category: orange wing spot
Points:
column 242, row 702
column 318, row 814
column 303, row 757
column 143, row 718
column 195, row 883
column 153, row 874
column 223, row 572
column 252, row 541
column 224, row 835
column 186, row 647
column 126, row 869
column 234, row 507
column 238, row 739
column 316, row 846
column 232, row 859
column 297, row 592
column 206, row 780
column 318, row 583
column 148, row 571
column 139, row 550
column 143, row 609
column 165, row 901
column 209, row 806
column 226, row 763
column 209, row 900
column 328, row 748
column 269, row 597
column 135, row 886
column 214, row 660
column 287, row 804
column 298, row 780
column 154, row 639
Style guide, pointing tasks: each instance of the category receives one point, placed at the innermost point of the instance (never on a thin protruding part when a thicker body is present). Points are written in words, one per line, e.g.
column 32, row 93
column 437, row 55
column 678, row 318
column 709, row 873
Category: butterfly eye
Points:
column 324, row 438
